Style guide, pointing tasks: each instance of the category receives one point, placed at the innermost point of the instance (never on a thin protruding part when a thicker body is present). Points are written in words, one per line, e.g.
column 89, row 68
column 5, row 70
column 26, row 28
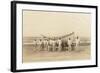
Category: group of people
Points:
column 56, row 44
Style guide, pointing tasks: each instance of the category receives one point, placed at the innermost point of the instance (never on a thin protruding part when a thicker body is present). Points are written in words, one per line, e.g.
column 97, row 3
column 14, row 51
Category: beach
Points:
column 31, row 54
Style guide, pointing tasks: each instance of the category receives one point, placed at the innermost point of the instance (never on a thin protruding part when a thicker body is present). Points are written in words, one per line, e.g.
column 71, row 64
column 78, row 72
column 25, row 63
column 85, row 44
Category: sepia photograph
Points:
column 56, row 36
column 48, row 36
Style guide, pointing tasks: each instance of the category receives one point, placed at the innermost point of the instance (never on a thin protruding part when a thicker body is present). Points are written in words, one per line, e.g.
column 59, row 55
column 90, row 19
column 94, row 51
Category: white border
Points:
column 57, row 63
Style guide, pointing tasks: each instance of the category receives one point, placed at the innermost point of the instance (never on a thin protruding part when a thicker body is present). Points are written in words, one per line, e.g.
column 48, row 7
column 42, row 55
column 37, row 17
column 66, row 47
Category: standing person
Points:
column 35, row 43
column 42, row 45
column 53, row 45
column 59, row 44
column 73, row 45
column 46, row 44
column 50, row 45
column 69, row 44
column 77, row 41
column 39, row 44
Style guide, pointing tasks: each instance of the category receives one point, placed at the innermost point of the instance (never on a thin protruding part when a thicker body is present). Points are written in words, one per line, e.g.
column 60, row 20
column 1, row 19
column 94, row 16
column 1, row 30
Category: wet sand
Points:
column 31, row 54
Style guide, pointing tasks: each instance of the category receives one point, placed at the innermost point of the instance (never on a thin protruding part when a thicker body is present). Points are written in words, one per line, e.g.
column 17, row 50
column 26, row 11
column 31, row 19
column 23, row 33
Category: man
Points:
column 46, row 44
column 42, row 45
column 69, row 44
column 77, row 41
column 49, row 45
column 59, row 44
column 39, row 44
column 53, row 45
column 35, row 43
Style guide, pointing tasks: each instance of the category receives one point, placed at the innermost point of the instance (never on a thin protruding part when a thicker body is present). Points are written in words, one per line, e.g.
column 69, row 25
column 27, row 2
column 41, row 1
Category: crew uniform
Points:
column 77, row 41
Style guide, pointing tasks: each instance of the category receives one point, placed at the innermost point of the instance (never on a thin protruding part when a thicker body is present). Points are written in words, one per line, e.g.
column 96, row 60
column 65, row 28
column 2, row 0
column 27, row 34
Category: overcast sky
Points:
column 55, row 23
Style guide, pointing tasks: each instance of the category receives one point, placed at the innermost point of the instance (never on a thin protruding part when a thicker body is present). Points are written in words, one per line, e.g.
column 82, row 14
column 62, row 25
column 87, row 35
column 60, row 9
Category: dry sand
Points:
column 31, row 55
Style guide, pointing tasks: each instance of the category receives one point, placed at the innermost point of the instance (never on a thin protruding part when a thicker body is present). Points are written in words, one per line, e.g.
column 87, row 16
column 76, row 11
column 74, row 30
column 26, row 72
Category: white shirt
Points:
column 77, row 41
column 69, row 42
column 59, row 41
